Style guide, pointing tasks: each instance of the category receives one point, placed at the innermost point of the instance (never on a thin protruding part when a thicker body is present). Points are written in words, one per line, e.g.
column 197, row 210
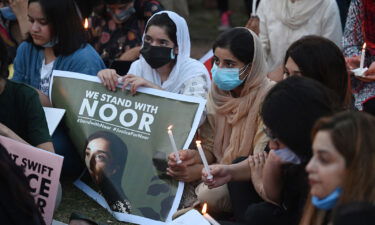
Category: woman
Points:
column 341, row 169
column 165, row 61
column 278, row 187
column 304, row 58
column 105, row 158
column 57, row 42
column 233, row 127
column 284, row 21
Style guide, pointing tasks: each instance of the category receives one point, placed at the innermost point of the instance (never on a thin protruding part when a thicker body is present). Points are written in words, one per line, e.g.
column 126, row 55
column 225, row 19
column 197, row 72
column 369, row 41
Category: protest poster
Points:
column 129, row 180
column 42, row 169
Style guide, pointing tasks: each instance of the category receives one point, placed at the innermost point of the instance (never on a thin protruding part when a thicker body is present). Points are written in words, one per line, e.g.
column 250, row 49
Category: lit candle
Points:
column 86, row 24
column 204, row 160
column 207, row 216
column 254, row 8
column 363, row 54
column 173, row 143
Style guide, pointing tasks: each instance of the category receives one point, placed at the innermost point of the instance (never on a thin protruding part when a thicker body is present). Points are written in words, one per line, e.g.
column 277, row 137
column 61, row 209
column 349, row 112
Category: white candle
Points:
column 254, row 8
column 173, row 143
column 363, row 56
column 207, row 216
column 204, row 160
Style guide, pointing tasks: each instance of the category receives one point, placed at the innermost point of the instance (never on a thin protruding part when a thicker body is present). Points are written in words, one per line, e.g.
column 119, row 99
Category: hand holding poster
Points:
column 124, row 141
column 42, row 169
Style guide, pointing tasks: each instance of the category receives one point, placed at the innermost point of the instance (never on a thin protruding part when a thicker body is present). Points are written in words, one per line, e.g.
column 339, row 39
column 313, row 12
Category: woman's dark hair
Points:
column 320, row 59
column 118, row 150
column 4, row 72
column 291, row 108
column 163, row 20
column 65, row 24
column 17, row 206
column 239, row 41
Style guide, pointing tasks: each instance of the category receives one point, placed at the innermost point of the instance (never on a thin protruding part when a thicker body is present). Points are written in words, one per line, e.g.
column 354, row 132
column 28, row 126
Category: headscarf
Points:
column 295, row 14
column 185, row 67
column 236, row 120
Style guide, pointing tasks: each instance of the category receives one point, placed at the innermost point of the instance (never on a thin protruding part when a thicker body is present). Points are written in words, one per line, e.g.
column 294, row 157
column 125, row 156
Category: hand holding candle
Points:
column 204, row 160
column 207, row 216
column 173, row 143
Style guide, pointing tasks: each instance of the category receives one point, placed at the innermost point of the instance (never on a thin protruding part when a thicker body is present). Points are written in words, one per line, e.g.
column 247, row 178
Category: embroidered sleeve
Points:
column 353, row 37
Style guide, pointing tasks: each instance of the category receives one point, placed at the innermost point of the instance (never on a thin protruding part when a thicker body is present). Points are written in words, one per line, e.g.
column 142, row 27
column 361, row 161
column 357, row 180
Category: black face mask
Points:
column 157, row 56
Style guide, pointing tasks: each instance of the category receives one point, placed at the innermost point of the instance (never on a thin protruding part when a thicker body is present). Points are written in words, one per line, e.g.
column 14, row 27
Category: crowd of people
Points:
column 287, row 127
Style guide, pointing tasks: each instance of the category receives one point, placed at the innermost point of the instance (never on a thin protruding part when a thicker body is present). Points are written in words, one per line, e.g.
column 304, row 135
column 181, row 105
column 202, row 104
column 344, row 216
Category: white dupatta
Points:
column 185, row 67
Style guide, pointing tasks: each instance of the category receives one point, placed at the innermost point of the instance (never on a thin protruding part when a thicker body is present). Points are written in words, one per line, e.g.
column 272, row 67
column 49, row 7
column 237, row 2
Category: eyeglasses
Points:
column 269, row 133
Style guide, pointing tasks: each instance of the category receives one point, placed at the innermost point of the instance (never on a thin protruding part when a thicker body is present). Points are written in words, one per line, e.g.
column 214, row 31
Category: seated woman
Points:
column 56, row 42
column 233, row 127
column 304, row 58
column 21, row 114
column 341, row 171
column 165, row 61
column 278, row 187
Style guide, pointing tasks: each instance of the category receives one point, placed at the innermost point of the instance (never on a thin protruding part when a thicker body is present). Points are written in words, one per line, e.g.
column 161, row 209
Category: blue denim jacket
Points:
column 28, row 63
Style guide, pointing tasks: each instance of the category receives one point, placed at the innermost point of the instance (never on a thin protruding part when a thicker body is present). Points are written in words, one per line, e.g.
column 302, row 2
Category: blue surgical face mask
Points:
column 328, row 202
column 7, row 13
column 227, row 78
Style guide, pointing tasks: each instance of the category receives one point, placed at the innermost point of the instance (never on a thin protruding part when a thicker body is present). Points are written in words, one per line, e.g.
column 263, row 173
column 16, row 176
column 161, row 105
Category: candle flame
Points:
column 364, row 46
column 204, row 208
column 86, row 24
column 170, row 127
column 198, row 142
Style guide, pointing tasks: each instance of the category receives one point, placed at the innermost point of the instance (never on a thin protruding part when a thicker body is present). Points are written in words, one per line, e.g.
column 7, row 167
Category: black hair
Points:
column 118, row 150
column 65, row 24
column 17, row 204
column 4, row 72
column 163, row 20
column 291, row 108
column 320, row 59
column 239, row 41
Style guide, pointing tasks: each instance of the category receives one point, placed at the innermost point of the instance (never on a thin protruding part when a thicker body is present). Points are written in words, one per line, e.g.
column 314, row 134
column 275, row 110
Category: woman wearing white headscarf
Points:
column 165, row 61
column 284, row 21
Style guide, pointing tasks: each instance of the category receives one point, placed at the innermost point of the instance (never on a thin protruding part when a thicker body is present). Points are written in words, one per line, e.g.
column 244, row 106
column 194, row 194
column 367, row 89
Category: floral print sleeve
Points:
column 353, row 38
